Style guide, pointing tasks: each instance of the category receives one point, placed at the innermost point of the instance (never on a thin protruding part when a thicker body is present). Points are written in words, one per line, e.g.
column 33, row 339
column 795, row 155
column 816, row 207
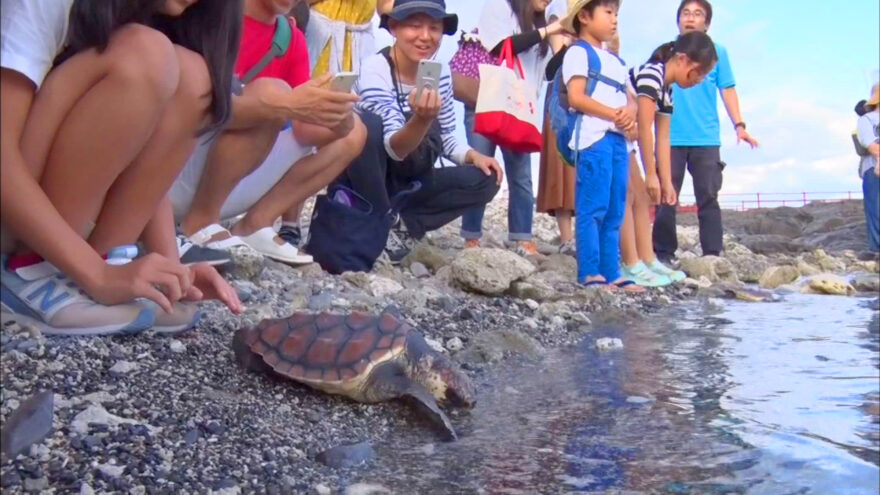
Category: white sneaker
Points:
column 42, row 296
column 264, row 242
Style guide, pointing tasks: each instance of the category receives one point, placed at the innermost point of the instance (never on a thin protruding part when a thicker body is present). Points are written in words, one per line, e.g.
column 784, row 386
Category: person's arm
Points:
column 384, row 6
column 424, row 111
column 578, row 99
column 731, row 103
column 647, row 111
column 524, row 41
column 664, row 159
column 319, row 136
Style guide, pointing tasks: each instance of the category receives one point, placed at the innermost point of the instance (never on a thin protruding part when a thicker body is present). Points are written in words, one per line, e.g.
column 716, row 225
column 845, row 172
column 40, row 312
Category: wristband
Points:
column 740, row 124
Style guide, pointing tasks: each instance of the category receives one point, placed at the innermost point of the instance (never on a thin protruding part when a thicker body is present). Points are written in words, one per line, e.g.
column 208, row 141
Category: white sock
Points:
column 285, row 223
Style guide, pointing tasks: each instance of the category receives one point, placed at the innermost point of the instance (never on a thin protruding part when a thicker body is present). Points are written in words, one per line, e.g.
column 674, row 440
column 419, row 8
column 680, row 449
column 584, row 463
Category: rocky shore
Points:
column 147, row 414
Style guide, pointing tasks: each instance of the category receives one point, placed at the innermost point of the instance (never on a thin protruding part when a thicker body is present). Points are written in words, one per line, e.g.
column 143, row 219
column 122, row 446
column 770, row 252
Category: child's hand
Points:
column 652, row 184
column 877, row 170
column 624, row 119
column 670, row 197
column 208, row 284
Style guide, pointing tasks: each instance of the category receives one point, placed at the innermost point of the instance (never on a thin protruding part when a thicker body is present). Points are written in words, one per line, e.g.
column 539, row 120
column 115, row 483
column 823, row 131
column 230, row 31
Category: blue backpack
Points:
column 563, row 119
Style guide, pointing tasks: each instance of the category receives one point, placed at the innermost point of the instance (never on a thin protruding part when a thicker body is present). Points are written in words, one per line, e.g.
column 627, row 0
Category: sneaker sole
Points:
column 144, row 321
column 211, row 263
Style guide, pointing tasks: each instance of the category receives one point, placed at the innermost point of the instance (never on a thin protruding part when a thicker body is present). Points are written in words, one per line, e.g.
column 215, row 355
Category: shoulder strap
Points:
column 280, row 44
column 595, row 76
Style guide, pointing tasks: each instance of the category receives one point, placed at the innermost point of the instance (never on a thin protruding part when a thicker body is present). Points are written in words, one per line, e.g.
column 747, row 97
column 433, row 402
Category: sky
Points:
column 800, row 68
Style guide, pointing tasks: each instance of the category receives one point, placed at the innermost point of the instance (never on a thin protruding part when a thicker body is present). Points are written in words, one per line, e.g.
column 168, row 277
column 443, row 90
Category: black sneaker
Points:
column 399, row 244
column 192, row 254
column 666, row 259
column 291, row 235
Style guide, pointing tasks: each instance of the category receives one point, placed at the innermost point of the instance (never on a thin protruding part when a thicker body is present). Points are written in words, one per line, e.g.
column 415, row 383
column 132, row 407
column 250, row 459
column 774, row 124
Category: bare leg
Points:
column 304, row 179
column 235, row 154
column 640, row 212
column 563, row 220
column 93, row 117
column 628, row 253
column 293, row 214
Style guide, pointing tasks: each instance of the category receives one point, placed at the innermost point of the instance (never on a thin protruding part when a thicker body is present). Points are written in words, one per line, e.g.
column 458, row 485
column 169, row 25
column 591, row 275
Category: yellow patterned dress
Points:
column 340, row 35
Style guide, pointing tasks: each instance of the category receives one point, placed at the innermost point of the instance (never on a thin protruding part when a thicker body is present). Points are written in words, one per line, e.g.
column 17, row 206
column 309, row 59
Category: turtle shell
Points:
column 328, row 347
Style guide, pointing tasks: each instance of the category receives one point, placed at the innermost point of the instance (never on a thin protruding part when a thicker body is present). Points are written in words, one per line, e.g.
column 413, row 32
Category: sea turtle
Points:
column 748, row 294
column 365, row 357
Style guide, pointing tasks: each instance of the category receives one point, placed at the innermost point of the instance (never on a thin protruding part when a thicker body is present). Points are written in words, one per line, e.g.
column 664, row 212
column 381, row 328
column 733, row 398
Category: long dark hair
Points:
column 528, row 19
column 697, row 45
column 211, row 28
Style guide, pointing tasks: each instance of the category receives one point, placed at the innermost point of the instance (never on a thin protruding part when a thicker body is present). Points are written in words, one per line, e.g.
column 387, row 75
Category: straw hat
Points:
column 874, row 100
column 575, row 6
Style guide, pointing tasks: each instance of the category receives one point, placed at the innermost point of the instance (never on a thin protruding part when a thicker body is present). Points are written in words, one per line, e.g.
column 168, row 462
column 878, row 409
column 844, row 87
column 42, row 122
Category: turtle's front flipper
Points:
column 425, row 402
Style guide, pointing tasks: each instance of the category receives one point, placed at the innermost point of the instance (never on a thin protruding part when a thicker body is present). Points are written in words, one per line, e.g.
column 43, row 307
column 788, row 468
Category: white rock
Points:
column 97, row 414
column 322, row 489
column 532, row 304
column 531, row 323
column 123, row 367
column 608, row 344
column 454, row 344
column 489, row 271
column 558, row 321
column 177, row 346
column 86, row 489
column 383, row 287
column 436, row 345
column 111, row 470
column 365, row 489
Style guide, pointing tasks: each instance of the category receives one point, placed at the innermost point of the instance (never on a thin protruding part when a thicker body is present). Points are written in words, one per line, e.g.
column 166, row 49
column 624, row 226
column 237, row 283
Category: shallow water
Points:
column 752, row 398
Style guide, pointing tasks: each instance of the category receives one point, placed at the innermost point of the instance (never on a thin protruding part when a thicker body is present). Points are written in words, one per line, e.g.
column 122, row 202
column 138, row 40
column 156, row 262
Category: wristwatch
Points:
column 740, row 124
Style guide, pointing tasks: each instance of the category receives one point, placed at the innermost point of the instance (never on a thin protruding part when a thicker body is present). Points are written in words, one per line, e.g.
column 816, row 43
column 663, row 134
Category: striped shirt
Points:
column 648, row 80
column 377, row 92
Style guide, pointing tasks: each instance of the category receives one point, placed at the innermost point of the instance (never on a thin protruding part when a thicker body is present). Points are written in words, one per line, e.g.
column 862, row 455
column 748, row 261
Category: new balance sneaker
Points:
column 399, row 243
column 526, row 248
column 42, row 296
column 291, row 235
column 641, row 275
column 658, row 267
column 568, row 247
column 191, row 253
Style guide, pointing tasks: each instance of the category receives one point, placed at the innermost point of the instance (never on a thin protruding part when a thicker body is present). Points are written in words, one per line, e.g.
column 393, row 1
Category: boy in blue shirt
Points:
column 695, row 137
column 604, row 115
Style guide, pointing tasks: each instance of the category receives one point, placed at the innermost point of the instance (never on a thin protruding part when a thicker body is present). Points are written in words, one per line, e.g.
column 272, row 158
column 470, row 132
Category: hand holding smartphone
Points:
column 428, row 76
column 343, row 82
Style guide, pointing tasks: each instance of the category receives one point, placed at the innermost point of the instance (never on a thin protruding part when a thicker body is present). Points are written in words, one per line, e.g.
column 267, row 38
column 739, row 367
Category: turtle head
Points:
column 438, row 374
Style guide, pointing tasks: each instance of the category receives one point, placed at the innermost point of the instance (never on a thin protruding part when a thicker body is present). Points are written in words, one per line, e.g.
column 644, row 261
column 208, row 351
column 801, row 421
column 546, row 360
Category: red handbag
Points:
column 507, row 109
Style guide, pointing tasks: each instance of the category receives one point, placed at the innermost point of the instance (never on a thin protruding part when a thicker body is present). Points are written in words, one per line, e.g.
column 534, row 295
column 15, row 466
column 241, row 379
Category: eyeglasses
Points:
column 696, row 14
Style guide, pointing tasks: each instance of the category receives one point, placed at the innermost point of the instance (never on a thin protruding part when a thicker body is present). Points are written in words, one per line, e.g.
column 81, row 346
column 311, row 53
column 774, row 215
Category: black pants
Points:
column 705, row 165
column 446, row 193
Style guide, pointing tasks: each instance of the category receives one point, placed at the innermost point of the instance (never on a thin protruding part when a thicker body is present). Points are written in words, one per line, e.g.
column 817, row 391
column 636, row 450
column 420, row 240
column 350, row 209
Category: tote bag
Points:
column 507, row 110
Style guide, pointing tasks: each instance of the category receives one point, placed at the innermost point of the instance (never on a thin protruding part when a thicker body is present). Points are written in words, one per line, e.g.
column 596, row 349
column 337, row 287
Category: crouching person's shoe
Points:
column 40, row 295
column 183, row 317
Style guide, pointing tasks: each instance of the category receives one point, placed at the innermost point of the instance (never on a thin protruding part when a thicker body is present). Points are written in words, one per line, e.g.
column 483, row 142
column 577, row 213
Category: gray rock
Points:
column 490, row 347
column 430, row 256
column 829, row 283
column 177, row 346
column 36, row 485
column 559, row 263
column 489, row 271
column 321, row 302
column 608, row 344
column 776, row 276
column 343, row 456
column 454, row 344
column 122, row 367
column 29, row 423
column 312, row 270
column 866, row 282
column 772, row 243
column 419, row 270
column 365, row 489
column 246, row 264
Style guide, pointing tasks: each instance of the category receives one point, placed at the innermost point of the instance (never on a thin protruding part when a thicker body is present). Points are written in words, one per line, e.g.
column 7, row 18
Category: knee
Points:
column 268, row 89
column 194, row 84
column 357, row 138
column 488, row 185
column 145, row 58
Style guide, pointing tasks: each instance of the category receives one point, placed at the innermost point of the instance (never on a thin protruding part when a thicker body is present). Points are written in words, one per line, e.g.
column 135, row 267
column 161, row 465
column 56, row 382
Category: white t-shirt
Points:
column 498, row 22
column 32, row 34
column 576, row 63
column 868, row 133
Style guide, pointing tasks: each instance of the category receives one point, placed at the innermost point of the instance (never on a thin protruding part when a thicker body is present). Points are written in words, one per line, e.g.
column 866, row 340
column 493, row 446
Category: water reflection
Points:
column 759, row 398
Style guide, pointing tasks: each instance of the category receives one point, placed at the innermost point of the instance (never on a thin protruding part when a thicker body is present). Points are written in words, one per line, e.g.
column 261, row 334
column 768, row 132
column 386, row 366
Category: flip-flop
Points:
column 628, row 286
column 263, row 241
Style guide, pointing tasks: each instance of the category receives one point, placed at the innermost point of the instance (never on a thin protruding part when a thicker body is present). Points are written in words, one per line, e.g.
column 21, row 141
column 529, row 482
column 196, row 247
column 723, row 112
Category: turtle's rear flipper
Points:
column 426, row 404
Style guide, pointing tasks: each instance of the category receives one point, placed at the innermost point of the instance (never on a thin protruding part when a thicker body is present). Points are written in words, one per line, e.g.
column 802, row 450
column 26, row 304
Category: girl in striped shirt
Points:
column 686, row 62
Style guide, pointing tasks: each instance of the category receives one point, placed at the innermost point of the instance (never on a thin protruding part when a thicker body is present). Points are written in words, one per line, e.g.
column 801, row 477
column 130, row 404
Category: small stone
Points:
column 191, row 436
column 28, row 424
column 110, row 470
column 36, row 485
column 435, row 345
column 225, row 483
column 531, row 323
column 454, row 344
column 177, row 346
column 86, row 489
column 532, row 304
column 419, row 270
column 320, row 302
column 608, row 344
column 635, row 399
column 122, row 368
column 215, row 428
column 346, row 455
column 322, row 489
column 365, row 489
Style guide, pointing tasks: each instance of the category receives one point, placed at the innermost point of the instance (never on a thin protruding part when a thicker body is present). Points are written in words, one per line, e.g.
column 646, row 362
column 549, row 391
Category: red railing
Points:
column 748, row 201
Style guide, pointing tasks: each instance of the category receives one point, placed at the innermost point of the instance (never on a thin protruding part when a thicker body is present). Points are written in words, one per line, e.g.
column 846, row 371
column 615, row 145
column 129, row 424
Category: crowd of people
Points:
column 145, row 141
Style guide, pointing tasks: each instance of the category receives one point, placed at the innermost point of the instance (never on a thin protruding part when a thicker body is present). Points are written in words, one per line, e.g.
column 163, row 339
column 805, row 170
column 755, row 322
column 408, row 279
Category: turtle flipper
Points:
column 426, row 403
column 244, row 355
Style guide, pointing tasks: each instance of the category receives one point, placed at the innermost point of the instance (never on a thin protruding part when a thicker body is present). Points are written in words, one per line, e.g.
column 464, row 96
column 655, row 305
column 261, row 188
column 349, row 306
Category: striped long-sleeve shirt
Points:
column 377, row 92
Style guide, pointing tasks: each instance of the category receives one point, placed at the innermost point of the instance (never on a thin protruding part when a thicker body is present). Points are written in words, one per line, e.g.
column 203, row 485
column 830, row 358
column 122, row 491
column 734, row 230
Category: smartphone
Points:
column 428, row 76
column 343, row 82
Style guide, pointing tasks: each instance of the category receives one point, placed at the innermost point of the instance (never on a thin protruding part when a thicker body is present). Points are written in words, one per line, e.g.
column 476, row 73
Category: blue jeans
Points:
column 600, row 200
column 521, row 202
column 871, row 194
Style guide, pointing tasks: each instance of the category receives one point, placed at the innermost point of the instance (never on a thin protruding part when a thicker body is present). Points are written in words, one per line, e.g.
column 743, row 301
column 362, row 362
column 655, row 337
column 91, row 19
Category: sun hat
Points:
column 575, row 6
column 436, row 9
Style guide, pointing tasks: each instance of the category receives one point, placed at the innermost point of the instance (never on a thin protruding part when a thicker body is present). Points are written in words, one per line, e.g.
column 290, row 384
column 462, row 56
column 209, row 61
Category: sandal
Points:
column 264, row 242
column 628, row 286
column 203, row 238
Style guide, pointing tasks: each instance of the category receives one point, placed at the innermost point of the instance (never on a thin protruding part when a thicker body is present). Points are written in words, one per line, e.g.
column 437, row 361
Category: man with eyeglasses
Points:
column 695, row 137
